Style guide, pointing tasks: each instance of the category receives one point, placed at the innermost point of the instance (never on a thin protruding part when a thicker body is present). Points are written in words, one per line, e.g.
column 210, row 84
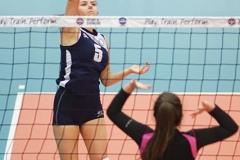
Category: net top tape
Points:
column 119, row 21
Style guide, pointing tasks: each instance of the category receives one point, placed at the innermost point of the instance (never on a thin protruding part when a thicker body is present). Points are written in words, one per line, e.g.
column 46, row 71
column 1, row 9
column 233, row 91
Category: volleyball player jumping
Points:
column 166, row 142
column 77, row 106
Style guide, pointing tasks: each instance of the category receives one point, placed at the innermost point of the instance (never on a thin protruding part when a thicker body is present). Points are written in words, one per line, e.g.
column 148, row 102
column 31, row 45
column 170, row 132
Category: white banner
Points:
column 116, row 22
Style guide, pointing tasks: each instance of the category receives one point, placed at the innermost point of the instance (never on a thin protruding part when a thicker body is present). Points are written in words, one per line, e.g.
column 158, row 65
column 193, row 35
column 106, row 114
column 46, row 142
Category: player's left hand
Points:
column 140, row 69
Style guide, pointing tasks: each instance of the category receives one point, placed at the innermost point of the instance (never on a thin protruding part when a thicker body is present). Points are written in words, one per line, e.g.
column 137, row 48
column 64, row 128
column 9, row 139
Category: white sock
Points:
column 106, row 158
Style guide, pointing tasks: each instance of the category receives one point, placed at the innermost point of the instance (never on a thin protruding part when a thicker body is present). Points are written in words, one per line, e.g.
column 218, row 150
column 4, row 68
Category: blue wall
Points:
column 211, row 78
column 128, row 7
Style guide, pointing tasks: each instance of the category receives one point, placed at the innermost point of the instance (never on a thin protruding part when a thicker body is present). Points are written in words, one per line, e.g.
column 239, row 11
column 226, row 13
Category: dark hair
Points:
column 168, row 115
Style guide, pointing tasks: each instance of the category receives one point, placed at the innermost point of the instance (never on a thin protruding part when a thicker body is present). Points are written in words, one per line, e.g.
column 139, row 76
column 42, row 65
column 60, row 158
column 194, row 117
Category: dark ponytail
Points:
column 168, row 115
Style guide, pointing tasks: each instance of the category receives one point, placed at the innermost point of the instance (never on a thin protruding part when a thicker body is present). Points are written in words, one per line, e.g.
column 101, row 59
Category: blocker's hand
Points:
column 206, row 106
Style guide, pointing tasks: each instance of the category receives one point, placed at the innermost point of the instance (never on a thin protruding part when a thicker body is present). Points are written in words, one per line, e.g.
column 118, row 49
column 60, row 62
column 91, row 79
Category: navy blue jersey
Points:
column 83, row 62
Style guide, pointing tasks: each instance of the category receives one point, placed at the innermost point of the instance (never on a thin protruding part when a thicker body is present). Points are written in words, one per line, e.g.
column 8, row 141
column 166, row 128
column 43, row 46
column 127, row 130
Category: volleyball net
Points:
column 197, row 58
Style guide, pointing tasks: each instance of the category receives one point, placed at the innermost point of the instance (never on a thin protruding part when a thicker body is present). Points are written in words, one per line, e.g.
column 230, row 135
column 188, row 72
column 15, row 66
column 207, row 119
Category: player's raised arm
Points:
column 71, row 8
column 69, row 35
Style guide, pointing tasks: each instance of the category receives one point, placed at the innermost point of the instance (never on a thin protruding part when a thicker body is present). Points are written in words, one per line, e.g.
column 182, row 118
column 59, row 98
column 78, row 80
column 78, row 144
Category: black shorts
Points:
column 72, row 109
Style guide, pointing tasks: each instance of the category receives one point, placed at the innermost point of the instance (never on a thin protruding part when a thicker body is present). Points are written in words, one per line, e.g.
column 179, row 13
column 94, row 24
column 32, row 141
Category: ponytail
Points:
column 168, row 115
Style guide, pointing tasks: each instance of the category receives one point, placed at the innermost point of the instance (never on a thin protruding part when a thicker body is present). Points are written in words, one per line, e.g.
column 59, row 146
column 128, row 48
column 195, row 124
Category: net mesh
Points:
column 197, row 63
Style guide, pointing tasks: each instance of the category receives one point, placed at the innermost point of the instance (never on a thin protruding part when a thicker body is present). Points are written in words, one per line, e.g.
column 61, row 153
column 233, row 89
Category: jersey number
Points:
column 98, row 53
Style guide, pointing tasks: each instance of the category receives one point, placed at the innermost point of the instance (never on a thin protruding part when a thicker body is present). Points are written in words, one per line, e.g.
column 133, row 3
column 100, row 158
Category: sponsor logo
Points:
column 122, row 21
column 101, row 42
column 99, row 113
column 93, row 21
column 80, row 21
column 231, row 21
column 127, row 124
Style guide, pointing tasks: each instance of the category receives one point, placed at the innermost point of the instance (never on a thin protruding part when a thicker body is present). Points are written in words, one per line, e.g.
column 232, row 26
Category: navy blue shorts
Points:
column 72, row 109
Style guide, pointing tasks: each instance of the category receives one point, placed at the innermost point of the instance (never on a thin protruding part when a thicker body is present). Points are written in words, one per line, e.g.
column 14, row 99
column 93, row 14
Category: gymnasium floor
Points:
column 33, row 134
